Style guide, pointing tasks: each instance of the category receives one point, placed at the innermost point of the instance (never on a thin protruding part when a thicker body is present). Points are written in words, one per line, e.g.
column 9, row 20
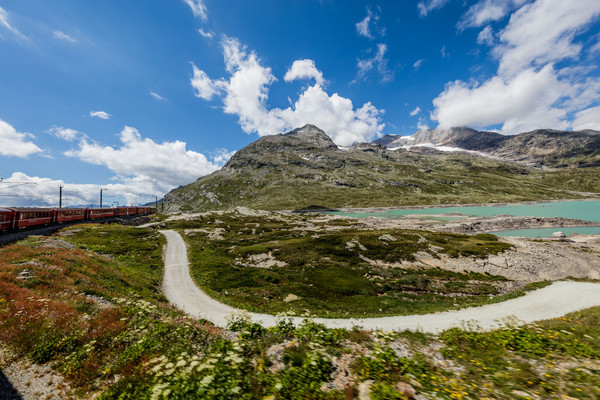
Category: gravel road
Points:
column 552, row 301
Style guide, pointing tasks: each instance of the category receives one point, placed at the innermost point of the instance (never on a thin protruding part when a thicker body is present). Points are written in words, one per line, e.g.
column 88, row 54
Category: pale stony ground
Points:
column 31, row 381
column 553, row 301
column 530, row 261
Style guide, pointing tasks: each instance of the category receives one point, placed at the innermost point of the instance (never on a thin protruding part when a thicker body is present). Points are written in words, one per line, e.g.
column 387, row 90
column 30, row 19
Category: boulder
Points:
column 364, row 390
column 406, row 389
column 386, row 237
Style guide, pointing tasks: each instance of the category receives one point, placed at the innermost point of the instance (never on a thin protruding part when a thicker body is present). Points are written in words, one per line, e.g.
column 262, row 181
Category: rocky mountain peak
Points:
column 312, row 134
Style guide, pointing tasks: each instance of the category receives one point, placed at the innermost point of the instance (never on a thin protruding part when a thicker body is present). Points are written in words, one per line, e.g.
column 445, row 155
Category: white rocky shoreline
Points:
column 593, row 197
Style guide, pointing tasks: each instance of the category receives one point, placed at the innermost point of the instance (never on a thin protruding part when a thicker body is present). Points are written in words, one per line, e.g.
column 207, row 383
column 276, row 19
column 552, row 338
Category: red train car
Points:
column 98, row 213
column 6, row 219
column 145, row 210
column 14, row 218
column 26, row 217
column 125, row 211
column 69, row 214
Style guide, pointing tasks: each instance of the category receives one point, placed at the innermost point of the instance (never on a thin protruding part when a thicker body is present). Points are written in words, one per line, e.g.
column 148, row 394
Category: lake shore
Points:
column 425, row 207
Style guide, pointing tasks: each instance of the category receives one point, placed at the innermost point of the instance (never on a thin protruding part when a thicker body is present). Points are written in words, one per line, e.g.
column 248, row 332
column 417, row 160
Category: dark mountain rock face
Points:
column 312, row 134
column 307, row 146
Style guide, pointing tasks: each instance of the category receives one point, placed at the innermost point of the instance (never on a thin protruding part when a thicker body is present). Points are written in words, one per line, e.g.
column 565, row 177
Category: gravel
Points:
column 22, row 380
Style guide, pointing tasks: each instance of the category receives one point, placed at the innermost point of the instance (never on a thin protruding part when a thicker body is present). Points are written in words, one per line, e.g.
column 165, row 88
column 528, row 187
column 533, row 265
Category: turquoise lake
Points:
column 588, row 210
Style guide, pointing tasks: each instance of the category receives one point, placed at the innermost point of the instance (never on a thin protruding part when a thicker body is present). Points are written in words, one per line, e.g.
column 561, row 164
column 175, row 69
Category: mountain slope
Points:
column 305, row 167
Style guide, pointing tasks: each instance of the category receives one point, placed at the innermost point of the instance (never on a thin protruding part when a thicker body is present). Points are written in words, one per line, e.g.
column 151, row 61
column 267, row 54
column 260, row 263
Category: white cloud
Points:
column 362, row 27
column 486, row 36
column 205, row 87
column 416, row 111
column 4, row 21
column 41, row 191
column 13, row 143
column 206, row 34
column 531, row 89
column 588, row 119
column 368, row 25
column 162, row 166
column 418, row 64
column 100, row 114
column 426, row 6
column 245, row 94
column 486, row 11
column 157, row 96
column 524, row 102
column 443, row 52
column 63, row 36
column 543, row 32
column 379, row 61
column 198, row 8
column 335, row 115
column 65, row 133
column 304, row 69
column 221, row 156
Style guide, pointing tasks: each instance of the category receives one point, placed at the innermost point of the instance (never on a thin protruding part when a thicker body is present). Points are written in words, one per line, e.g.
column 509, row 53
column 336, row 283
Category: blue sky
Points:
column 141, row 97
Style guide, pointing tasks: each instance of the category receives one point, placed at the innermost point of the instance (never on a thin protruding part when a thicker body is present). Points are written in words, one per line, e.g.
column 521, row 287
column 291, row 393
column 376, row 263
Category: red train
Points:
column 19, row 218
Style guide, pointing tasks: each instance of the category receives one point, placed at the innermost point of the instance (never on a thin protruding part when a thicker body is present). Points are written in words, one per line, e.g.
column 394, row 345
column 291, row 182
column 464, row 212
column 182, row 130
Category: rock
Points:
column 355, row 243
column 25, row 274
column 498, row 261
column 406, row 389
column 559, row 235
column 291, row 297
column 520, row 393
column 422, row 256
column 364, row 390
column 387, row 238
column 263, row 260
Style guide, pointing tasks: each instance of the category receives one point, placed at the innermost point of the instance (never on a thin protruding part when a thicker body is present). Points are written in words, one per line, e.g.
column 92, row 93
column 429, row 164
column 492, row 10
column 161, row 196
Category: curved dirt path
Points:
column 553, row 301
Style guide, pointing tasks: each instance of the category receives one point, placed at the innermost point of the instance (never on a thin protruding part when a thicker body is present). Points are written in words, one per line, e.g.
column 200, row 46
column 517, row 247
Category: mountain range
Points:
column 304, row 168
column 542, row 147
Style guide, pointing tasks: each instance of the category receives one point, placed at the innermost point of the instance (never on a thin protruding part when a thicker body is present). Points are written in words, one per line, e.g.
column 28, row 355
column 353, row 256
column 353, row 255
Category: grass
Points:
column 125, row 342
column 335, row 273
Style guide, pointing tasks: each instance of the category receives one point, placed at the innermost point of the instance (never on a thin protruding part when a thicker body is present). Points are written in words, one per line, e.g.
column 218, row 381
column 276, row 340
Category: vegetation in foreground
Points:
column 277, row 263
column 95, row 314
